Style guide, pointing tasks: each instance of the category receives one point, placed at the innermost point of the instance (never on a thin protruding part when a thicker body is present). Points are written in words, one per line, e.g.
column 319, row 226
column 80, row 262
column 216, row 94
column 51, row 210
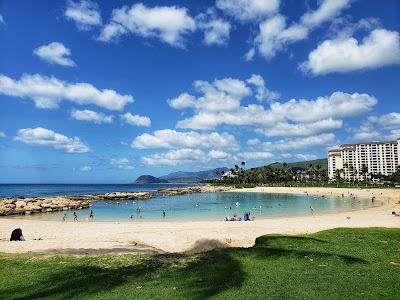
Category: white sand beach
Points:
column 190, row 237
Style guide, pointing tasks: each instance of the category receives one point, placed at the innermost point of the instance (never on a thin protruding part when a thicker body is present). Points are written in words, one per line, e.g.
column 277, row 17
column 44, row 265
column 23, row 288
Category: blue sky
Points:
column 106, row 91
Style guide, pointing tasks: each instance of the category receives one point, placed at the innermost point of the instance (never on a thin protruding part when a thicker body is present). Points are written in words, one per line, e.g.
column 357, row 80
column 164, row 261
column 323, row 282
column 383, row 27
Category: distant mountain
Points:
column 150, row 179
column 302, row 165
column 195, row 176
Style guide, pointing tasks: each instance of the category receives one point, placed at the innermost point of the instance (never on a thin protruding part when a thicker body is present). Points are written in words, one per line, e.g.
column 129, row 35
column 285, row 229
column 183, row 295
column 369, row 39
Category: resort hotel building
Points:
column 358, row 161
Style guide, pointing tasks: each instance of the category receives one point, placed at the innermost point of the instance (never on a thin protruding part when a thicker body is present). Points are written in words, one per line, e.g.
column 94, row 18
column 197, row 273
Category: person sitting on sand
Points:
column 75, row 217
column 64, row 218
column 395, row 214
column 16, row 235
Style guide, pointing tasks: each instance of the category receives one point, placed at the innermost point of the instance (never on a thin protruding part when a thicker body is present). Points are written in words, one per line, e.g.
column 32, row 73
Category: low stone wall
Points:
column 21, row 205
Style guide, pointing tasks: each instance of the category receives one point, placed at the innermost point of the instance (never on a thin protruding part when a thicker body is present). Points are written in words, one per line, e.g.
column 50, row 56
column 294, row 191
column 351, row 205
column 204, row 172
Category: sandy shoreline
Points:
column 192, row 236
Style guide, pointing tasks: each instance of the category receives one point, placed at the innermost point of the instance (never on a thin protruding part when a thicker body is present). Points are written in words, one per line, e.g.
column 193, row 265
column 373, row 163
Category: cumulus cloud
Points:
column 55, row 53
column 48, row 92
column 85, row 168
column 216, row 30
column 248, row 10
column 274, row 34
column 306, row 156
column 380, row 48
column 2, row 22
column 169, row 24
column 2, row 134
column 168, row 138
column 253, row 142
column 324, row 139
column 175, row 157
column 220, row 103
column 262, row 91
column 44, row 137
column 383, row 127
column 256, row 156
column 122, row 163
column 91, row 116
column 302, row 129
column 218, row 154
column 136, row 120
column 85, row 14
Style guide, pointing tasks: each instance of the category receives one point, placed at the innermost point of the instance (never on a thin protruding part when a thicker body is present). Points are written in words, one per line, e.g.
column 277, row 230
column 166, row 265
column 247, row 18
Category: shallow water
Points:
column 211, row 206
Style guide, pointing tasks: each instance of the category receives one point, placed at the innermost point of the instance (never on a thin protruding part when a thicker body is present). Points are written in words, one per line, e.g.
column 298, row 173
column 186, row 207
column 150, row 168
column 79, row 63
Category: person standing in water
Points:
column 163, row 214
column 91, row 215
column 75, row 217
column 312, row 211
column 64, row 218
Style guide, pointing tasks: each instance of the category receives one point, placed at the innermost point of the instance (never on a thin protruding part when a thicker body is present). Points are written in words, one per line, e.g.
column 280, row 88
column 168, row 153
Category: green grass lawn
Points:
column 334, row 264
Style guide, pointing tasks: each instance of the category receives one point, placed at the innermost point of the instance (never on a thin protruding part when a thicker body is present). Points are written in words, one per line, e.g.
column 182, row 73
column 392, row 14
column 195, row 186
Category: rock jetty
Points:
column 22, row 205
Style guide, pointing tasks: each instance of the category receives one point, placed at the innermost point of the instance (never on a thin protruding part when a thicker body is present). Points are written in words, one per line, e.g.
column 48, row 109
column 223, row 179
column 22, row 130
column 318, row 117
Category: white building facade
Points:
column 357, row 161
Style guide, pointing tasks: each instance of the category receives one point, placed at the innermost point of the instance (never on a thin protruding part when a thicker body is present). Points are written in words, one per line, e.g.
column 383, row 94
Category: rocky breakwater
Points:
column 20, row 205
column 123, row 196
column 14, row 206
column 192, row 190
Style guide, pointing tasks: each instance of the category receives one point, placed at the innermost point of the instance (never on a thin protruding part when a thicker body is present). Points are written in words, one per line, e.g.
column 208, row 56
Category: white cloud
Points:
column 248, row 10
column 302, row 129
column 391, row 120
column 91, row 116
column 253, row 142
column 122, row 163
column 380, row 48
column 324, row 139
column 306, row 156
column 85, row 14
column 55, row 53
column 220, row 103
column 168, row 138
column 2, row 20
column 136, row 120
column 85, row 168
column 45, row 137
column 383, row 127
column 175, row 157
column 216, row 30
column 218, row 154
column 169, row 24
column 2, row 134
column 262, row 91
column 274, row 34
column 257, row 156
column 48, row 92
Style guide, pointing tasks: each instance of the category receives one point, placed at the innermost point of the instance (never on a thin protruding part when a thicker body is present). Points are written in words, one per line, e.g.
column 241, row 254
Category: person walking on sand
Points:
column 75, row 217
column 312, row 211
column 64, row 218
column 91, row 215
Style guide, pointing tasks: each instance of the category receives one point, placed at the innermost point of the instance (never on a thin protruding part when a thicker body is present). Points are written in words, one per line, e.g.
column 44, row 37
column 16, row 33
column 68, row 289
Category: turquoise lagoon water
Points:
column 211, row 206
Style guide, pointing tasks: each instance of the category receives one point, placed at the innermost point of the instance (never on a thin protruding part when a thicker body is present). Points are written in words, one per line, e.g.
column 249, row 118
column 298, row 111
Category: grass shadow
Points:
column 202, row 276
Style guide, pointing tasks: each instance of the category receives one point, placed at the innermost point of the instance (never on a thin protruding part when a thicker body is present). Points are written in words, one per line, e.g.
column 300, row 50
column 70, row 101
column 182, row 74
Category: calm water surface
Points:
column 211, row 206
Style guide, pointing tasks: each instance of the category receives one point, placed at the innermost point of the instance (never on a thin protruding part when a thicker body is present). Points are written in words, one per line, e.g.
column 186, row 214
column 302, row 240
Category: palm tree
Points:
column 364, row 172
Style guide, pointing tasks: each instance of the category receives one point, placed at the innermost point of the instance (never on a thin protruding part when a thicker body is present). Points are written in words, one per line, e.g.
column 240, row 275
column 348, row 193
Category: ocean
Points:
column 33, row 190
